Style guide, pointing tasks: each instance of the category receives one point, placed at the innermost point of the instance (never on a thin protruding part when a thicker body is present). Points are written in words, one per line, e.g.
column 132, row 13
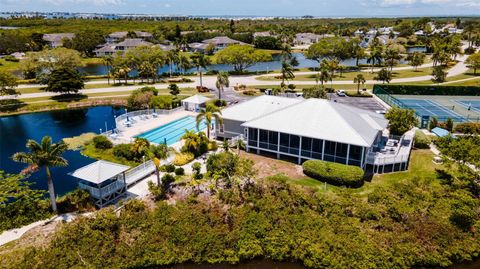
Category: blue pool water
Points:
column 172, row 132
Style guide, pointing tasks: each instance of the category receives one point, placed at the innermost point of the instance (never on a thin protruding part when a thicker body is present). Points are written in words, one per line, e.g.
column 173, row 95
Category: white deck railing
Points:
column 140, row 115
column 400, row 155
column 135, row 174
column 102, row 192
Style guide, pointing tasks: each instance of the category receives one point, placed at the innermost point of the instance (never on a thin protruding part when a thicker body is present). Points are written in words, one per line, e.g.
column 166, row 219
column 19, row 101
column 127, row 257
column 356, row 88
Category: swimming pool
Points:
column 172, row 132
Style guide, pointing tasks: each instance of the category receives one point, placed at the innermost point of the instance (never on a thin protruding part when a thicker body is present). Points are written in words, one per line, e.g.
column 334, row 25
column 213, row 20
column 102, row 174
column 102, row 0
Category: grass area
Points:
column 421, row 166
column 8, row 66
column 107, row 155
column 351, row 75
column 347, row 87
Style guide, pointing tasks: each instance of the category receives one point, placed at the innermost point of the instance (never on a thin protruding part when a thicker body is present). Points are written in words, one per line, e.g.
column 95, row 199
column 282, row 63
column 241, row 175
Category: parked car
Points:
column 202, row 89
column 341, row 93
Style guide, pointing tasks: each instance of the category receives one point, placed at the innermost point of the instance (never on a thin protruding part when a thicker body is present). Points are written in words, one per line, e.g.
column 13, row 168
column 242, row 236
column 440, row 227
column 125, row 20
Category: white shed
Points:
column 195, row 102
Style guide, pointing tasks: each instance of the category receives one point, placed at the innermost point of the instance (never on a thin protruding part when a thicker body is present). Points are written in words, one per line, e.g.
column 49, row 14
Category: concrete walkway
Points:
column 14, row 234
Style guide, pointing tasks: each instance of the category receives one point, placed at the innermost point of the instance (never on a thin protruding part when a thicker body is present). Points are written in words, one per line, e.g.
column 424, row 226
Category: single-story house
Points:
column 306, row 38
column 221, row 42
column 197, row 47
column 129, row 43
column 300, row 130
column 195, row 102
column 56, row 40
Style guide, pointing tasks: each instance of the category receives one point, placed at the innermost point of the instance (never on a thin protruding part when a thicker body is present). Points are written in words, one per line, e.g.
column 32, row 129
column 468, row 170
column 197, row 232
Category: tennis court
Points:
column 430, row 108
column 470, row 104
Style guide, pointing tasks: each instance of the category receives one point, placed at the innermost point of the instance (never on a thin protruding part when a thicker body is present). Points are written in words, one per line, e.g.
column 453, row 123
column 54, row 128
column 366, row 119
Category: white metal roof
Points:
column 99, row 171
column 257, row 107
column 323, row 119
column 196, row 99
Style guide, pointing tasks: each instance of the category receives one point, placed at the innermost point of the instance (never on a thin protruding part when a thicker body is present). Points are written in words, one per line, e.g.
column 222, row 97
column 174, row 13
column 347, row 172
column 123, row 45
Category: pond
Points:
column 276, row 64
column 15, row 130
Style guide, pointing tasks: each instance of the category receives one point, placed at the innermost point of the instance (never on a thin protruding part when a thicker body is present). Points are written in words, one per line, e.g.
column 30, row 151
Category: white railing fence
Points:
column 138, row 115
column 105, row 191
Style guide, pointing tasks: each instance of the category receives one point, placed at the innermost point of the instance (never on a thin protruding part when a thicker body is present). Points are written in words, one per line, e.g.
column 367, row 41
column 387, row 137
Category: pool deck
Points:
column 127, row 135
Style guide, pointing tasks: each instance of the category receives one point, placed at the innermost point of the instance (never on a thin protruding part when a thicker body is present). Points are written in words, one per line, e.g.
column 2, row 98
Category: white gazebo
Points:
column 105, row 181
column 195, row 102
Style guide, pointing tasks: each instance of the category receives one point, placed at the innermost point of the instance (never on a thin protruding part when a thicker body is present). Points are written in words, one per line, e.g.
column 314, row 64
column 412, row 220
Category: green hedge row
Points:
column 334, row 173
column 427, row 90
column 422, row 141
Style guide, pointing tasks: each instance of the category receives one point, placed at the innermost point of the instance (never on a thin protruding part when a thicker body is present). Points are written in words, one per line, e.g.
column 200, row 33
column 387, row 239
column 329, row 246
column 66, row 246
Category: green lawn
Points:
column 421, row 166
column 351, row 75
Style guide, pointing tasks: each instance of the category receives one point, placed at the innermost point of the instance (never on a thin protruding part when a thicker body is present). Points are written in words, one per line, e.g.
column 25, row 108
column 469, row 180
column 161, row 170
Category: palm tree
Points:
column 359, row 79
column 222, row 82
column 172, row 58
column 200, row 61
column 45, row 155
column 287, row 72
column 184, row 63
column 158, row 153
column 209, row 114
column 108, row 62
column 375, row 56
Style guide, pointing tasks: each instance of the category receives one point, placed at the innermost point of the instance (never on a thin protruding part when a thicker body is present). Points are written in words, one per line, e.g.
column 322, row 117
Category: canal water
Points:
column 276, row 64
column 15, row 130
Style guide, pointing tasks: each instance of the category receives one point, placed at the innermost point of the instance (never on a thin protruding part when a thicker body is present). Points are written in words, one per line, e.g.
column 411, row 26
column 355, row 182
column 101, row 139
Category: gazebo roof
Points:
column 196, row 99
column 99, row 171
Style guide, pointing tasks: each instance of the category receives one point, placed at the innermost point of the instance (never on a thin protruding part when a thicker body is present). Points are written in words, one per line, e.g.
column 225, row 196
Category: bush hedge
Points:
column 183, row 158
column 334, row 173
column 427, row 90
column 179, row 171
column 467, row 128
column 102, row 142
column 422, row 141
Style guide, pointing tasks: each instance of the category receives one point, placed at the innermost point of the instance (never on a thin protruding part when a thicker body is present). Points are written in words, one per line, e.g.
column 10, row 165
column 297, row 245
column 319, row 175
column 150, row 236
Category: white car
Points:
column 341, row 93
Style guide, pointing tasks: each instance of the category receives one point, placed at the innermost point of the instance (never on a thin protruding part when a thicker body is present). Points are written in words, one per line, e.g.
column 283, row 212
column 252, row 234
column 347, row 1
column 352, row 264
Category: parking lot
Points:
column 360, row 102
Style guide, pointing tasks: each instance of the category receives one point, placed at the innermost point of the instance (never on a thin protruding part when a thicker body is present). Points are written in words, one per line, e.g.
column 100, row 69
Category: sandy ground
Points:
column 266, row 166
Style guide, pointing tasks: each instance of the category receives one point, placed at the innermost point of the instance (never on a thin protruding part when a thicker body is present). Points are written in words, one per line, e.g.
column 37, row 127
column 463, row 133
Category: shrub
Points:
column 77, row 200
column 422, row 141
column 123, row 151
column 167, row 179
column 212, row 146
column 468, row 128
column 102, row 142
column 183, row 158
column 169, row 168
column 334, row 173
column 11, row 58
column 219, row 103
column 179, row 171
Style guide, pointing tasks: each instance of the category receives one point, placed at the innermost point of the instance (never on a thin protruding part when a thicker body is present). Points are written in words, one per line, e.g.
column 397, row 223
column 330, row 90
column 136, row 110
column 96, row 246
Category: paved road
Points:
column 209, row 81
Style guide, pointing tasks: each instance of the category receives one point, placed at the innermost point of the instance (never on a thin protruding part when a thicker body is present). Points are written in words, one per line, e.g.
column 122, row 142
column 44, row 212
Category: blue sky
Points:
column 332, row 8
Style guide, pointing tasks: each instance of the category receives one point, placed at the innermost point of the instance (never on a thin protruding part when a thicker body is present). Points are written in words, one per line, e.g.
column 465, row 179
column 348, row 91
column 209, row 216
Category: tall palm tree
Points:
column 45, row 155
column 172, row 58
column 375, row 56
column 108, row 62
column 209, row 114
column 157, row 154
column 200, row 61
column 222, row 82
column 359, row 79
column 287, row 72
column 184, row 63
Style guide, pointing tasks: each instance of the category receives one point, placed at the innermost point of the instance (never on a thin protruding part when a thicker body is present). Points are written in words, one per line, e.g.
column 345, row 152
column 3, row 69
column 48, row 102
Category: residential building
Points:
column 116, row 37
column 56, row 40
column 298, row 130
column 306, row 38
column 124, row 45
column 262, row 34
column 197, row 47
column 221, row 42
